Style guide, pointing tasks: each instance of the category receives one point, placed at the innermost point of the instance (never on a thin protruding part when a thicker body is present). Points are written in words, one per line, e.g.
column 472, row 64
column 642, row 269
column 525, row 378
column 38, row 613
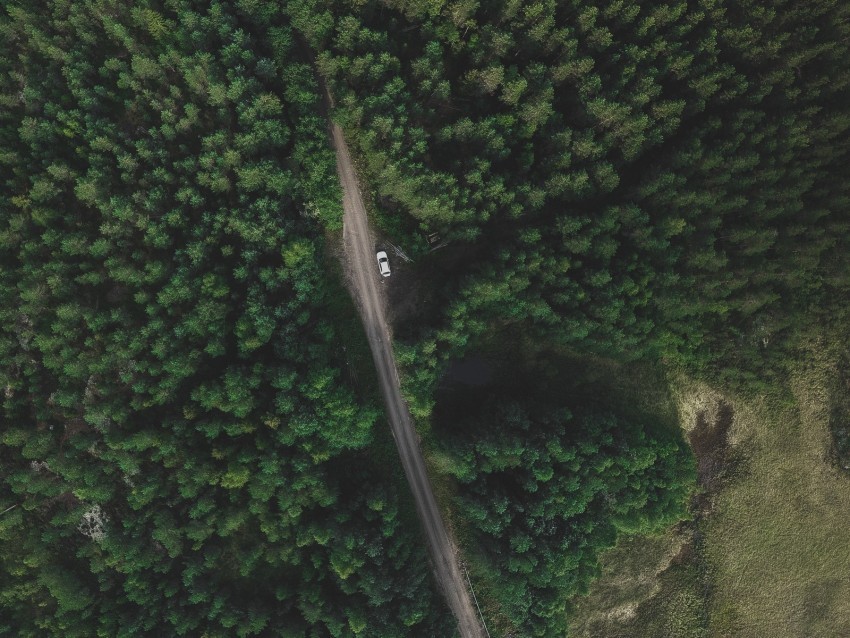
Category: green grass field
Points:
column 769, row 551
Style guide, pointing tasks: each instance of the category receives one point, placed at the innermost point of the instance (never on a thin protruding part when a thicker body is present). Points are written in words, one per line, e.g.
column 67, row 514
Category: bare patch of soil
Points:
column 710, row 442
column 839, row 417
column 405, row 294
column 417, row 291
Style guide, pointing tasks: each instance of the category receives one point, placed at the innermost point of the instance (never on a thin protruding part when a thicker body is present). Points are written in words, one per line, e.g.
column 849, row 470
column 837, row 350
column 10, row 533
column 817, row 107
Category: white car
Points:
column 383, row 264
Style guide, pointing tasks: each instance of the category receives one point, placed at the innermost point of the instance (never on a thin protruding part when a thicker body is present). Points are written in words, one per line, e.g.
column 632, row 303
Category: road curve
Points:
column 360, row 254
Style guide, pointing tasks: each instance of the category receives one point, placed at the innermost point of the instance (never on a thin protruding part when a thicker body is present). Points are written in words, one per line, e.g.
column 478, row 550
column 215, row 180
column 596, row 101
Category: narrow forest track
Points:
column 365, row 283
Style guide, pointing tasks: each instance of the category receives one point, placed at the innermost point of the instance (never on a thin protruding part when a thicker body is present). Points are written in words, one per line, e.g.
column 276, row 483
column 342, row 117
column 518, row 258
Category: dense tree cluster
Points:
column 662, row 177
column 181, row 452
column 546, row 492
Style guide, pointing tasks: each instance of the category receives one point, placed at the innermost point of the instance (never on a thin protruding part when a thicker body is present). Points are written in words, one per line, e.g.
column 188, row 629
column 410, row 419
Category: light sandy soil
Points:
column 366, row 288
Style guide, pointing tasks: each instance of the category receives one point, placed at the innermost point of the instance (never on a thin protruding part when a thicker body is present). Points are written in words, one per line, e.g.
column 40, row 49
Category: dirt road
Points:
column 360, row 255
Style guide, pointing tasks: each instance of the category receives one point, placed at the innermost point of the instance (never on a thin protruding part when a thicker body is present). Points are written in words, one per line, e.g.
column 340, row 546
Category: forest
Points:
column 550, row 476
column 618, row 157
column 191, row 443
column 182, row 449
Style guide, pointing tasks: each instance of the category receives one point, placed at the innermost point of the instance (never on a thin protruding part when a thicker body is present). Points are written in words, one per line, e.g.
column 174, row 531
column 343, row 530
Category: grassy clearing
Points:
column 649, row 586
column 778, row 543
column 769, row 552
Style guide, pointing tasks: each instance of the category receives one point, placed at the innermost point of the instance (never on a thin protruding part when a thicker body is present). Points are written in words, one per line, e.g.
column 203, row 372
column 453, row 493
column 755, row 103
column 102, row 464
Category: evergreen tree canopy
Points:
column 545, row 492
column 666, row 178
column 182, row 452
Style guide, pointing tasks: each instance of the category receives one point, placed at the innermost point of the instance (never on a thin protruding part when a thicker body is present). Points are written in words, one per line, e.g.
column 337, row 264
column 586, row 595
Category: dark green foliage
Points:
column 839, row 417
column 546, row 492
column 665, row 178
column 184, row 454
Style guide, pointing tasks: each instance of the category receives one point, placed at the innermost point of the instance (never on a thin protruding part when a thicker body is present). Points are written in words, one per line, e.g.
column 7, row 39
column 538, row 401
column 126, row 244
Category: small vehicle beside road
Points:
column 383, row 263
